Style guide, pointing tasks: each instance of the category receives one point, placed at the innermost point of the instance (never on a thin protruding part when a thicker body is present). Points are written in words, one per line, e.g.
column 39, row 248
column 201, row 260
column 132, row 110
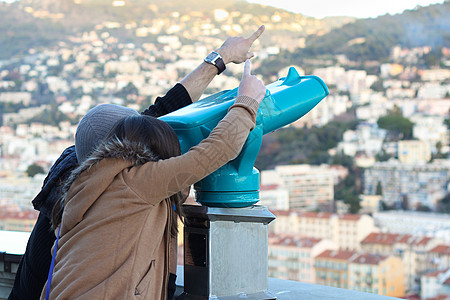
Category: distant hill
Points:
column 372, row 39
column 34, row 23
column 29, row 24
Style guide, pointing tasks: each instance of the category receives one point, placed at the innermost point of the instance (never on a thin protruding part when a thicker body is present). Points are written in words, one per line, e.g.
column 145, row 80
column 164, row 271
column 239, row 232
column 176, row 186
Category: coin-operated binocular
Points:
column 236, row 184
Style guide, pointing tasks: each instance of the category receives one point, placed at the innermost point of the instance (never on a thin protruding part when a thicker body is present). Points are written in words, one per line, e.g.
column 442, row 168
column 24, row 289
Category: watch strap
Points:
column 218, row 62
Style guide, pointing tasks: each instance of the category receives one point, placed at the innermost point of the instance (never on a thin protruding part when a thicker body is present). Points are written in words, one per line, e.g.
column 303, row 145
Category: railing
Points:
column 290, row 290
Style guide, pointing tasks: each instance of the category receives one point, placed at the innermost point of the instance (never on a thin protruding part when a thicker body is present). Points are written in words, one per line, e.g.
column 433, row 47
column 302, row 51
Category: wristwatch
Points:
column 216, row 60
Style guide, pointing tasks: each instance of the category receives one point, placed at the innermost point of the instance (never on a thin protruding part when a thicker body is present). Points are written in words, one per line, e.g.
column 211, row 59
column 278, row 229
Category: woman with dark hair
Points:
column 117, row 213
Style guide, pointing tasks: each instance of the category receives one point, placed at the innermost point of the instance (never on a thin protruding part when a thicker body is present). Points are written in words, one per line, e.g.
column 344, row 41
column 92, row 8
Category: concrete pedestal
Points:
column 225, row 254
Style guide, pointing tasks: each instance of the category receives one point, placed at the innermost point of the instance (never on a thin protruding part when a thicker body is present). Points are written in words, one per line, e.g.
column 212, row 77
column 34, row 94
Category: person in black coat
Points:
column 34, row 267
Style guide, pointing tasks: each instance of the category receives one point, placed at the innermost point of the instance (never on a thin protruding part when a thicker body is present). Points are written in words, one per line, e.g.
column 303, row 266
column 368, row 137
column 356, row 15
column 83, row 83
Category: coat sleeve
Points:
column 155, row 181
column 176, row 98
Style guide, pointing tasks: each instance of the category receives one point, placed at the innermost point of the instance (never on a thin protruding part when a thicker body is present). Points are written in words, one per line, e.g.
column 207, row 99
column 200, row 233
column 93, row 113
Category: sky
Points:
column 353, row 8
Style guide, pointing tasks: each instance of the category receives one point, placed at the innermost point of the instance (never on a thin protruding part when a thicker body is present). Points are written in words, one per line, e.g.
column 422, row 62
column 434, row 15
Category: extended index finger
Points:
column 257, row 34
column 247, row 67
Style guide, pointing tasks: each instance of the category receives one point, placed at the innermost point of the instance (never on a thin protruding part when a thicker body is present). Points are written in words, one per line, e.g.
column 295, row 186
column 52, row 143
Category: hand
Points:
column 236, row 49
column 250, row 85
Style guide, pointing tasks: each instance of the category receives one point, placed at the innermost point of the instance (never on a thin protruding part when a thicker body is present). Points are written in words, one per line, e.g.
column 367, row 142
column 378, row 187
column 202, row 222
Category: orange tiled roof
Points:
column 441, row 249
column 318, row 215
column 269, row 187
column 434, row 273
column 280, row 212
column 369, row 259
column 350, row 217
column 381, row 238
column 293, row 241
column 439, row 297
column 447, row 281
column 339, row 254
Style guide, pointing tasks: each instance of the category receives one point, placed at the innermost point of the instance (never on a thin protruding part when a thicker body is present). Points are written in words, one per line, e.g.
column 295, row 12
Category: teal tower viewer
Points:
column 236, row 184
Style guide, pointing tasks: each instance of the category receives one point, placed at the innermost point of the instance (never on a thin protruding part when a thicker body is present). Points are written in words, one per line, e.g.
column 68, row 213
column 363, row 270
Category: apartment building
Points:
column 346, row 230
column 379, row 274
column 431, row 129
column 332, row 267
column 412, row 250
column 292, row 256
column 414, row 223
column 409, row 185
column 435, row 285
column 413, row 151
column 274, row 196
column 370, row 203
column 439, row 258
column 309, row 187
column 18, row 221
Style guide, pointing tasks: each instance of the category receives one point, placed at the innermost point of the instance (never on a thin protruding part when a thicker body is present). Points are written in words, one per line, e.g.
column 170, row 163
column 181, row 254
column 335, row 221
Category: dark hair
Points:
column 162, row 140
column 155, row 135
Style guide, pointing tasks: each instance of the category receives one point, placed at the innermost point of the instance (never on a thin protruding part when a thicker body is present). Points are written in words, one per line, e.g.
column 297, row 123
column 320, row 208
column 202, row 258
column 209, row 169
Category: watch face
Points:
column 211, row 57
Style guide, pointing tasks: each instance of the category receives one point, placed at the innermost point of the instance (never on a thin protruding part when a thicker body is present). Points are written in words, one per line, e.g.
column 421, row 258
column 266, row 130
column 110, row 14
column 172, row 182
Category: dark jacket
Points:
column 33, row 269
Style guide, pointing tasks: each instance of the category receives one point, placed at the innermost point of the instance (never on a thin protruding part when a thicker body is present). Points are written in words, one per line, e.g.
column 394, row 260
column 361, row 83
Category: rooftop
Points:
column 392, row 238
column 369, row 259
column 293, row 241
column 339, row 254
column 441, row 249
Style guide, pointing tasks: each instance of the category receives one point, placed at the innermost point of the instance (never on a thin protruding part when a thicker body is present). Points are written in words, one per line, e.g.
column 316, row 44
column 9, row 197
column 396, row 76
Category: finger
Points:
column 250, row 55
column 256, row 34
column 247, row 68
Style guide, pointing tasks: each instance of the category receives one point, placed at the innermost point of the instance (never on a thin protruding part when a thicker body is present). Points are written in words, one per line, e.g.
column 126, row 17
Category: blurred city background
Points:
column 360, row 186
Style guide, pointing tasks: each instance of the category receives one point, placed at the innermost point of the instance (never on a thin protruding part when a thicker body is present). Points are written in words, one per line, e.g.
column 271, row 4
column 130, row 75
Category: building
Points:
column 346, row 230
column 431, row 130
column 377, row 274
column 413, row 151
column 309, row 187
column 414, row 223
column 412, row 250
column 435, row 75
column 370, row 203
column 18, row 221
column 368, row 138
column 274, row 196
column 292, row 256
column 435, row 285
column 439, row 257
column 409, row 185
column 332, row 267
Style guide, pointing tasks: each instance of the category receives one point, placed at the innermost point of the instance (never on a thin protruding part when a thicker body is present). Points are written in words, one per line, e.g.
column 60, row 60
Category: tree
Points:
column 382, row 156
column 34, row 169
column 377, row 86
column 399, row 127
column 347, row 191
column 444, row 204
column 379, row 190
column 129, row 89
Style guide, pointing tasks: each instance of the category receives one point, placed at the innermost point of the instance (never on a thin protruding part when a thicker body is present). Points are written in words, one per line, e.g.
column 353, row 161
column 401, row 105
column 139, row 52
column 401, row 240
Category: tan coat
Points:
column 114, row 241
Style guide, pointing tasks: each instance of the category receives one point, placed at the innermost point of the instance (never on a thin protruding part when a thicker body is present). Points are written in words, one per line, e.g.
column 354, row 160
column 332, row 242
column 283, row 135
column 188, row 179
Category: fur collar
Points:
column 136, row 152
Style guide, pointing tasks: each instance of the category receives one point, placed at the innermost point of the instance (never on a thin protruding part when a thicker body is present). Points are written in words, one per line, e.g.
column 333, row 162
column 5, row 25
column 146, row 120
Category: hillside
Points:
column 34, row 23
column 29, row 24
column 372, row 39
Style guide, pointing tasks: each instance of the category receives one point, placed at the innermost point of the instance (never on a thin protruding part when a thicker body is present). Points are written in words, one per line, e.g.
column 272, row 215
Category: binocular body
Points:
column 236, row 184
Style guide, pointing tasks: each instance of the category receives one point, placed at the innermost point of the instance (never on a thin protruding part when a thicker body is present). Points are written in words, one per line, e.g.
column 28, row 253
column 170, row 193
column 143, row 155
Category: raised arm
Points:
column 234, row 49
column 169, row 176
